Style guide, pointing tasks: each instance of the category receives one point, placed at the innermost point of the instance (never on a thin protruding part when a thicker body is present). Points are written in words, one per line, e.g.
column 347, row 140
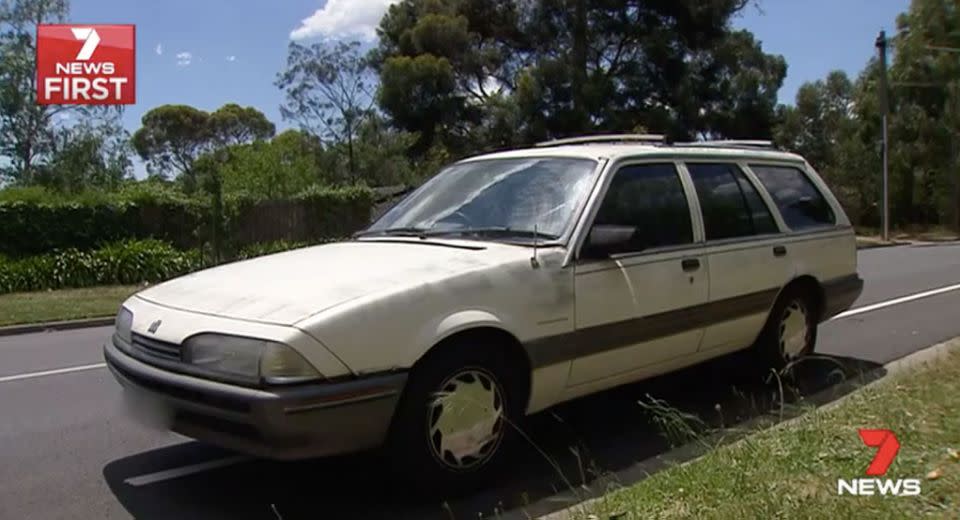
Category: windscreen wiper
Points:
column 500, row 231
column 399, row 232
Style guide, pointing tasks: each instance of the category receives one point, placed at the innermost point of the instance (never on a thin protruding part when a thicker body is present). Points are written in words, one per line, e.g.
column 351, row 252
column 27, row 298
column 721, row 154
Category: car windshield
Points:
column 523, row 198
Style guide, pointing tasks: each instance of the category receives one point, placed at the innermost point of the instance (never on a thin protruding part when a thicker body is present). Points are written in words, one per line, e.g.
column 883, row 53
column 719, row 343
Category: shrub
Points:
column 127, row 262
column 279, row 246
column 37, row 221
column 268, row 248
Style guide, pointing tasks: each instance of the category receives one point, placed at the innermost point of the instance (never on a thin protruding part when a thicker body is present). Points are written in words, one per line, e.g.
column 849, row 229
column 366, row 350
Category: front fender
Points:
column 438, row 330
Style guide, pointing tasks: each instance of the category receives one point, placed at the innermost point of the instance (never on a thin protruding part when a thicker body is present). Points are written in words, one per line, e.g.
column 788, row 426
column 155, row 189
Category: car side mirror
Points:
column 604, row 241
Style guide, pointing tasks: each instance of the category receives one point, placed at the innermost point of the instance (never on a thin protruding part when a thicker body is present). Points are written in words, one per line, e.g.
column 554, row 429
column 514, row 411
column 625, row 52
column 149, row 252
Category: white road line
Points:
column 847, row 314
column 896, row 301
column 32, row 375
column 160, row 476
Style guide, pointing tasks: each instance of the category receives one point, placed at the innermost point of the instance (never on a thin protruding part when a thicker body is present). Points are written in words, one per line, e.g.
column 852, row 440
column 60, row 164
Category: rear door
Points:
column 748, row 262
column 820, row 239
column 631, row 308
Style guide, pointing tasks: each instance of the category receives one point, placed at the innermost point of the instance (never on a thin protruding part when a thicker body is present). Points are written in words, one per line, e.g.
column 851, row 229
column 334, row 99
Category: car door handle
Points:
column 779, row 251
column 690, row 264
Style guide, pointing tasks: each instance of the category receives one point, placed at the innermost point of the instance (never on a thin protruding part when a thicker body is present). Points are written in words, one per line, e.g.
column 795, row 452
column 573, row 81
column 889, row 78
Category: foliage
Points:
column 37, row 220
column 126, row 262
column 327, row 88
column 91, row 154
column 26, row 128
column 274, row 169
column 232, row 124
column 173, row 137
column 836, row 124
column 791, row 470
column 450, row 68
column 269, row 248
column 382, row 154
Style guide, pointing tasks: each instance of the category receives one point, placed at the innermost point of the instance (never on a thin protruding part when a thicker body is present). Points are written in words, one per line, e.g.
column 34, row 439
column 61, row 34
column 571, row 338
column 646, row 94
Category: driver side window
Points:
column 649, row 198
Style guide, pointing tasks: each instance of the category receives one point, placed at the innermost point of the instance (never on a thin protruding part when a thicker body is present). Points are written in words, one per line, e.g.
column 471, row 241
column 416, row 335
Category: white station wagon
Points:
column 506, row 284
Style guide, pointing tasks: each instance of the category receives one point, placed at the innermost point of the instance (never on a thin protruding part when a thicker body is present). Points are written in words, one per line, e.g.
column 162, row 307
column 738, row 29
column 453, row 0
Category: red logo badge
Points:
column 887, row 445
column 86, row 64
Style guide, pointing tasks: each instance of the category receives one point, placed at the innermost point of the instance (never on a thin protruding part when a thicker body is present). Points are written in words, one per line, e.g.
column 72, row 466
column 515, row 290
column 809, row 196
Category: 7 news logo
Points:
column 887, row 447
column 86, row 64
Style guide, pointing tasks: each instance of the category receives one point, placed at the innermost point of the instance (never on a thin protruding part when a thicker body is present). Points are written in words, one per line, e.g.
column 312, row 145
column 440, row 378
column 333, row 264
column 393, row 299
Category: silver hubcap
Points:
column 793, row 331
column 465, row 421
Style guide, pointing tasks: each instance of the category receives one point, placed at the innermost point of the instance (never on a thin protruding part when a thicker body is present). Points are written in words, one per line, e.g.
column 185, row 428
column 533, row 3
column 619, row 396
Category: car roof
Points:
column 614, row 151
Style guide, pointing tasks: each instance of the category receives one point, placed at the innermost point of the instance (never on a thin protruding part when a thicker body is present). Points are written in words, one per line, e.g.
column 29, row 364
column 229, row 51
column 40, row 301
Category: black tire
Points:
column 772, row 348
column 414, row 449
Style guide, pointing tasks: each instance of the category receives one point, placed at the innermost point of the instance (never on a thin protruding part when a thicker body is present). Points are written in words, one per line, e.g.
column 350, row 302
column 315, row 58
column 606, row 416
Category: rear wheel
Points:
column 791, row 330
column 454, row 423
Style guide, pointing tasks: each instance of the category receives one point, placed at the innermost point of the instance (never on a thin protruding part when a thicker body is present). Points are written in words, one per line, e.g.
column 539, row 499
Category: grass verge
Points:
column 66, row 304
column 791, row 471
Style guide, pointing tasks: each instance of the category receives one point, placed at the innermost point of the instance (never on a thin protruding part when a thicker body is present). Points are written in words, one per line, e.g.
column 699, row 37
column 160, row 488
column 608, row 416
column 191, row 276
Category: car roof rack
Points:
column 732, row 143
column 610, row 138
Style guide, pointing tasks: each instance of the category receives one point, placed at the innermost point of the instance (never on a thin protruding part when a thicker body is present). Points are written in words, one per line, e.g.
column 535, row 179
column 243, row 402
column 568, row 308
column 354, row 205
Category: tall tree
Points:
column 173, row 137
column 924, row 154
column 576, row 66
column 26, row 128
column 328, row 91
column 93, row 152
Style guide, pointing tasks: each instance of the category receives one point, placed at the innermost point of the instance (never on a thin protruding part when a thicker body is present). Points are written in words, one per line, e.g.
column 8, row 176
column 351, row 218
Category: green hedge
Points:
column 36, row 222
column 122, row 263
column 269, row 248
column 280, row 246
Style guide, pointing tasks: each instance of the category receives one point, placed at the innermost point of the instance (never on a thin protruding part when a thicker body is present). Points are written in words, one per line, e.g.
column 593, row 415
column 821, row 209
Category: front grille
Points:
column 155, row 348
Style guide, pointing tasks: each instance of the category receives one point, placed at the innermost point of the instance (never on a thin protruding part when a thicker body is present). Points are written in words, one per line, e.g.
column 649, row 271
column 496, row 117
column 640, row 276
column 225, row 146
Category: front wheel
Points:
column 454, row 423
column 790, row 332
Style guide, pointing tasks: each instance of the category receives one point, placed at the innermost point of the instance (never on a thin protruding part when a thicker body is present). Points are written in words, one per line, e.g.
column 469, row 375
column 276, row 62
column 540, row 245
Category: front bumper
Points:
column 280, row 422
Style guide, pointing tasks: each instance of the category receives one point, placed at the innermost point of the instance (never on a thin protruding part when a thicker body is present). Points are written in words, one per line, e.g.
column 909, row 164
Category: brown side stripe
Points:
column 612, row 336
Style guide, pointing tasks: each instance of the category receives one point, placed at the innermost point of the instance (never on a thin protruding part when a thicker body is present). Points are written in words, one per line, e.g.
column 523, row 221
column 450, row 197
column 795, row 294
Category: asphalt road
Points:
column 68, row 449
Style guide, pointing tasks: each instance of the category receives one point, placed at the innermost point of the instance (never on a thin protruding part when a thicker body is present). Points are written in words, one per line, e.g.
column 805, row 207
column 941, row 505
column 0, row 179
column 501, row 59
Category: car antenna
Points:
column 534, row 262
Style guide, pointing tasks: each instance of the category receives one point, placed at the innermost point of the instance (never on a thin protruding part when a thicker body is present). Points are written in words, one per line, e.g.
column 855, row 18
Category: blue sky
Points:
column 209, row 52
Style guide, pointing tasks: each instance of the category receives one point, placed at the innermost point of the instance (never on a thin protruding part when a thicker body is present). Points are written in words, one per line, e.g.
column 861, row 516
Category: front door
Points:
column 632, row 306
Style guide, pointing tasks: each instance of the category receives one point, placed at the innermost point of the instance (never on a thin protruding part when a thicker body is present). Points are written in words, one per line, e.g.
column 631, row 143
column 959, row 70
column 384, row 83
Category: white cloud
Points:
column 159, row 49
column 344, row 18
column 184, row 59
column 231, row 58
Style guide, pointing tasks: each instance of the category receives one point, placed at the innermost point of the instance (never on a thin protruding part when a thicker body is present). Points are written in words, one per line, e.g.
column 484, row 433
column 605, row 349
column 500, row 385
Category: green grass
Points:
column 67, row 304
column 791, row 471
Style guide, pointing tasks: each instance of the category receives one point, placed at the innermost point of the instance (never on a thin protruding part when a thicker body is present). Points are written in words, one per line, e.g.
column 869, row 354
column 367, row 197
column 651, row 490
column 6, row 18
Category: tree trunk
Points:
column 353, row 168
column 217, row 218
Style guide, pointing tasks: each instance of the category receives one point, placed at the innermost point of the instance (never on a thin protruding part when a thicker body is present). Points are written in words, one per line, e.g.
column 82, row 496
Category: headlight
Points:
column 247, row 360
column 124, row 323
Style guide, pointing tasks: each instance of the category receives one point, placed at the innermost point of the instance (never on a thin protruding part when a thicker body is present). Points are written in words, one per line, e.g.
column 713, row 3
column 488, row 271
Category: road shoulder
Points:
column 679, row 482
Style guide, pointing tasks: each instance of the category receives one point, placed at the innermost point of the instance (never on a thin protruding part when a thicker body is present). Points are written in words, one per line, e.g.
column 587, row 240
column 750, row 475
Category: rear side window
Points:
column 649, row 197
column 731, row 205
column 800, row 202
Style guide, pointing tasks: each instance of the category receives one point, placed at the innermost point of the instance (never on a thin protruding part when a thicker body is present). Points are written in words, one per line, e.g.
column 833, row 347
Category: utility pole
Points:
column 885, row 110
